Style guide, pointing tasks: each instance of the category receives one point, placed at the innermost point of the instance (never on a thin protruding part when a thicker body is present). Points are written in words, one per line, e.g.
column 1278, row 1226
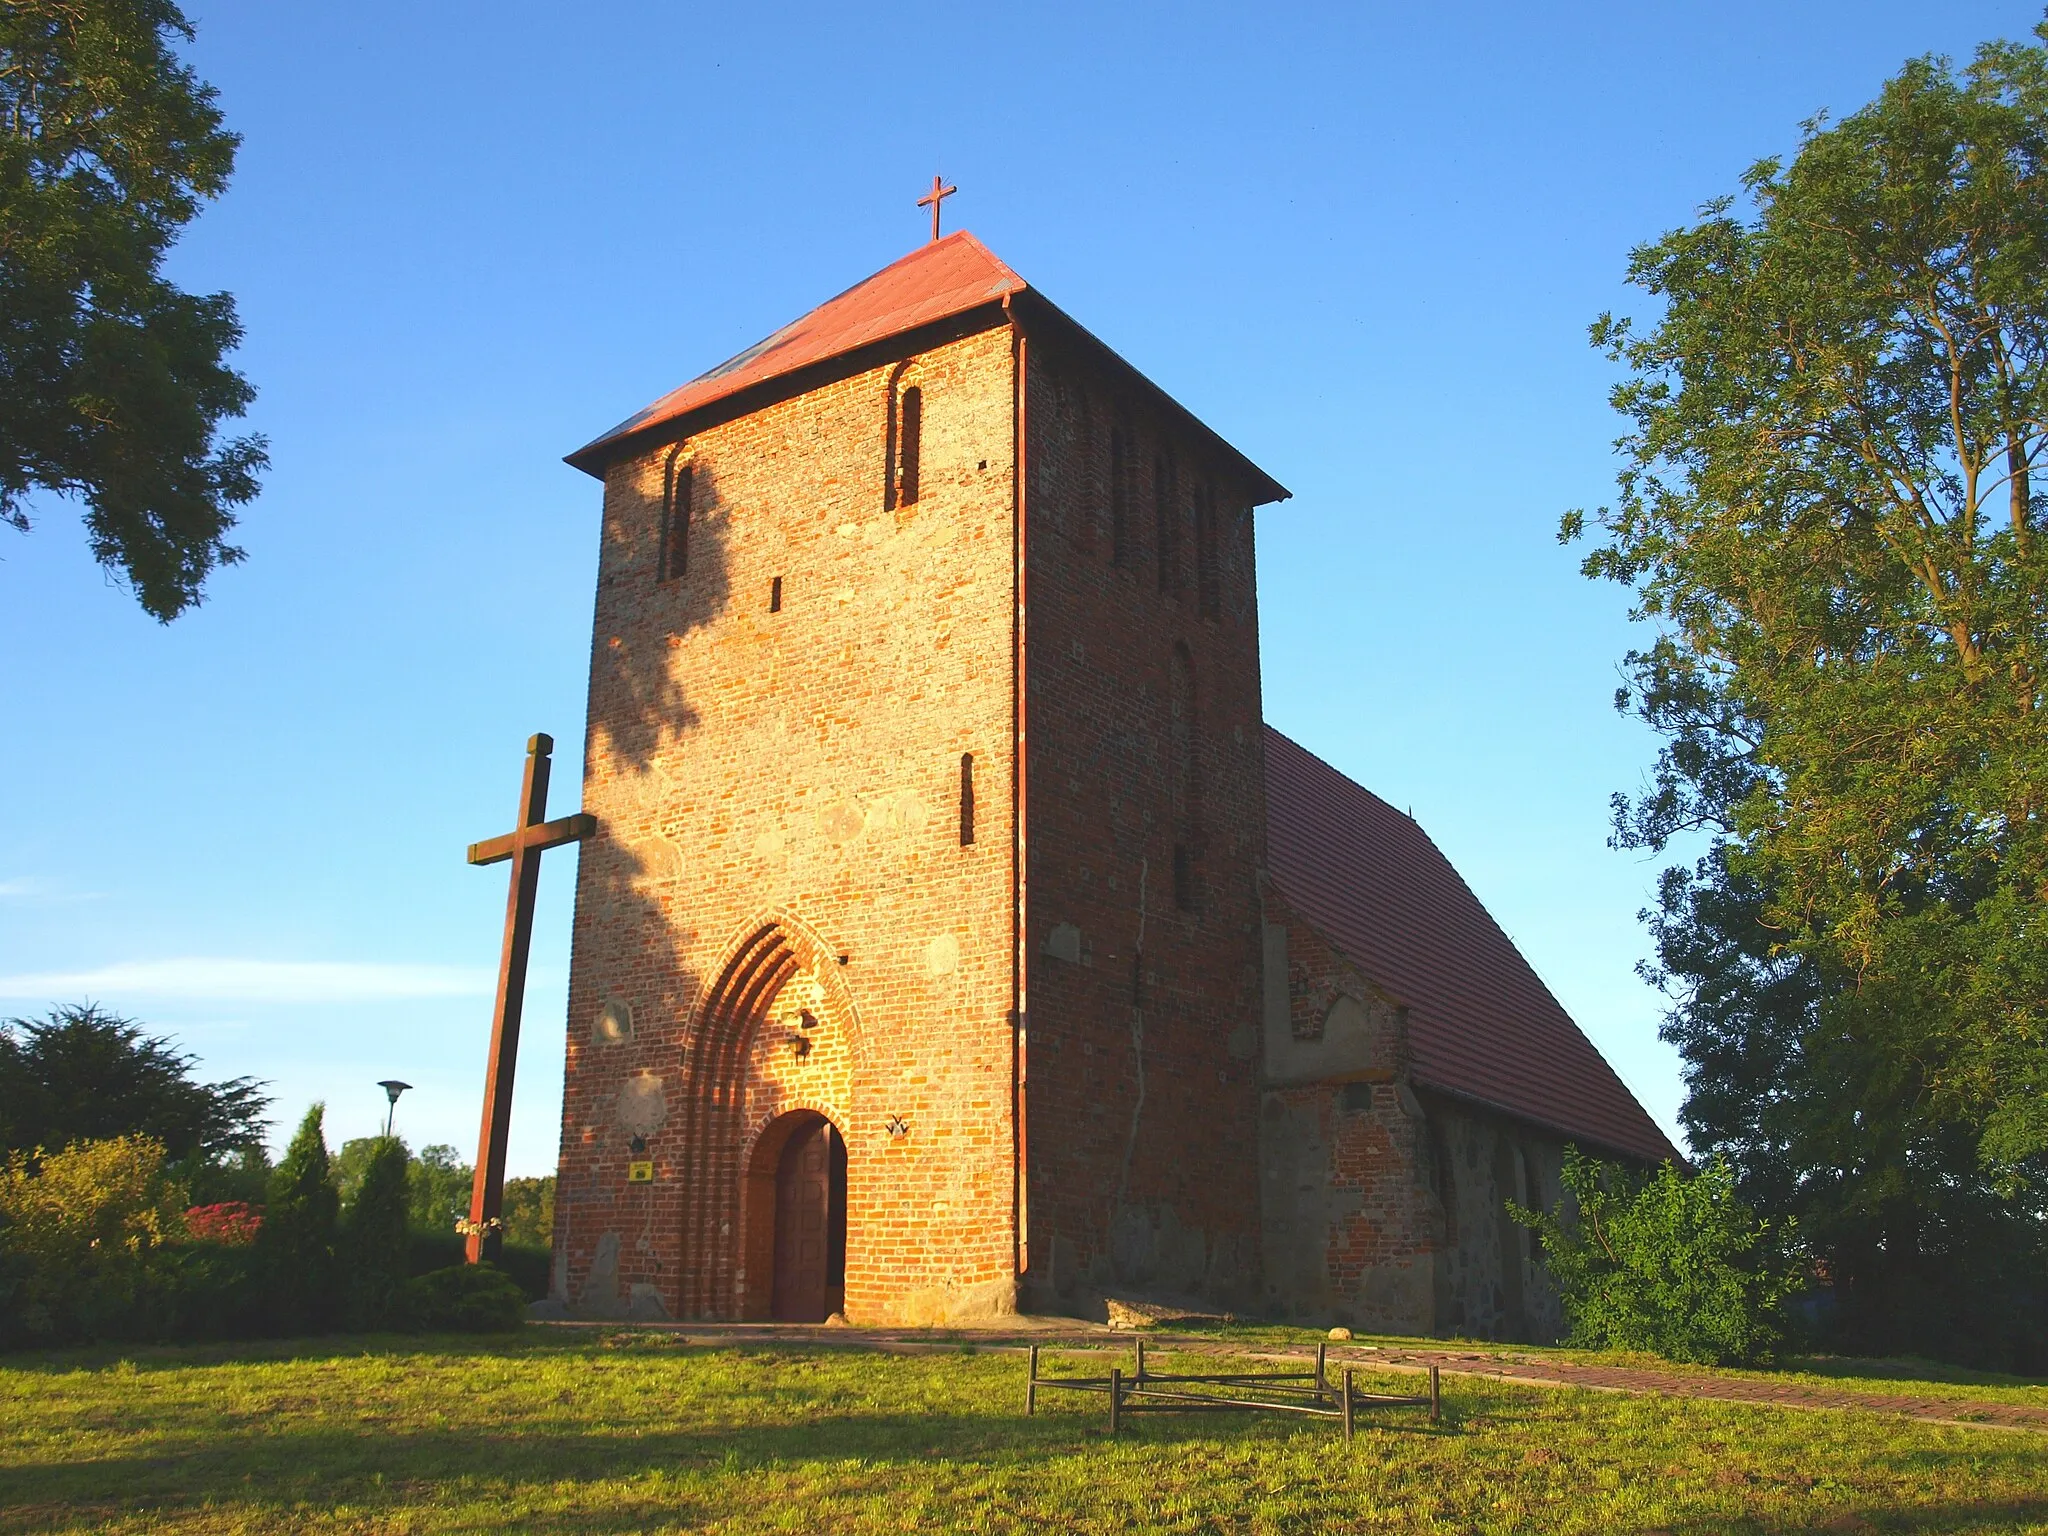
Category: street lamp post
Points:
column 392, row 1089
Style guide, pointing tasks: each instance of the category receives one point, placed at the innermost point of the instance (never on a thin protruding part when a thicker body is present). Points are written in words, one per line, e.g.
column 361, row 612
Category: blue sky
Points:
column 1363, row 242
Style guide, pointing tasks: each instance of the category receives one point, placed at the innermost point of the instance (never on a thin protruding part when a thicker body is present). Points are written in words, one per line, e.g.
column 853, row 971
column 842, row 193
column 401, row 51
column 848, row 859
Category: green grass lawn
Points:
column 553, row 1431
column 1909, row 1378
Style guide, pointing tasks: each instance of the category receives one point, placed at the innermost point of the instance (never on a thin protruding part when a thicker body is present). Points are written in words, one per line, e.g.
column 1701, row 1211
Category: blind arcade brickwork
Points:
column 931, row 876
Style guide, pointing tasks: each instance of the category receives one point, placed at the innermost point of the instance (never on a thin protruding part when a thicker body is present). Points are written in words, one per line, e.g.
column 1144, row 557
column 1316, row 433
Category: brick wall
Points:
column 1385, row 1202
column 777, row 799
column 1144, row 738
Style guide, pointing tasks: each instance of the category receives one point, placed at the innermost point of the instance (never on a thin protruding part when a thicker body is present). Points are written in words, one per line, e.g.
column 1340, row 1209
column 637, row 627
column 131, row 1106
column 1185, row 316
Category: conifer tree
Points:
column 375, row 1238
column 299, row 1232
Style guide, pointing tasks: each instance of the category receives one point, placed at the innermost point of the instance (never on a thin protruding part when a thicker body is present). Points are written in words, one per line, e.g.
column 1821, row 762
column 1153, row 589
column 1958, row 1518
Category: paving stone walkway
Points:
column 1530, row 1370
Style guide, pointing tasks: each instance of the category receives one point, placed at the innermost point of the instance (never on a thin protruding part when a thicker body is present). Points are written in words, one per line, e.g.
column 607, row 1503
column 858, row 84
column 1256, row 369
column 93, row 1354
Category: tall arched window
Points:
column 1186, row 785
column 673, row 561
column 966, row 798
column 912, row 447
column 904, row 442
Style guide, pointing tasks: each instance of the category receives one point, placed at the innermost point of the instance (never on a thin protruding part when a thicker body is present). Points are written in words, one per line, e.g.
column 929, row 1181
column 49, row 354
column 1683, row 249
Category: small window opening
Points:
column 966, row 798
column 674, row 560
column 1208, row 575
column 1119, row 496
column 1166, row 520
column 1183, row 878
column 775, row 595
column 910, row 446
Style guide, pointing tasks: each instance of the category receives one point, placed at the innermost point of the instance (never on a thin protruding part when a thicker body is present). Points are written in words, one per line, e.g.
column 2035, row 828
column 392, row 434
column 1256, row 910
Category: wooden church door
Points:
column 810, row 1225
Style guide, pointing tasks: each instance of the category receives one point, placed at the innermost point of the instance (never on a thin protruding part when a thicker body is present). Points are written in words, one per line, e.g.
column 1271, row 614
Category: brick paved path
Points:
column 1527, row 1369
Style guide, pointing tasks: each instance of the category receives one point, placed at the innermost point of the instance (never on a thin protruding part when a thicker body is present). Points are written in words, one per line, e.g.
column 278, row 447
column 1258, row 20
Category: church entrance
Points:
column 810, row 1223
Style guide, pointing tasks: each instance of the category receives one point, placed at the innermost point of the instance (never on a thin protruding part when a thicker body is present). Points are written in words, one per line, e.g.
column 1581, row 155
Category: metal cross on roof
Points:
column 938, row 194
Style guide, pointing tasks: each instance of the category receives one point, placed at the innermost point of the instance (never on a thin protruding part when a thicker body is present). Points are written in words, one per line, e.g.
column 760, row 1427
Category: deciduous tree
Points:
column 113, row 381
column 1830, row 507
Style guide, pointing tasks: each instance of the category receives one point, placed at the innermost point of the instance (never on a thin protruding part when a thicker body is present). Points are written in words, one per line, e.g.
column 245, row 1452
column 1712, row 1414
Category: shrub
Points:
column 375, row 1244
column 83, row 1232
column 1674, row 1265
column 297, row 1241
column 464, row 1298
column 230, row 1223
column 212, row 1291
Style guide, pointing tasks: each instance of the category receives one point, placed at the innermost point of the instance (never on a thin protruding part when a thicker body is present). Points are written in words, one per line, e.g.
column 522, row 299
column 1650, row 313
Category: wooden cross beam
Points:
column 523, row 845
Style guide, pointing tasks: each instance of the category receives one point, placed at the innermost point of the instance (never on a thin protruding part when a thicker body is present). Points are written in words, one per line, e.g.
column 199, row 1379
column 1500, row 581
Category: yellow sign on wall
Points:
column 640, row 1173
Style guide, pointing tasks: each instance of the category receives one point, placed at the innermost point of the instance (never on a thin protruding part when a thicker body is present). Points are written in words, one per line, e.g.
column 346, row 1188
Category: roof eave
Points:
column 1263, row 487
column 1575, row 1135
column 595, row 457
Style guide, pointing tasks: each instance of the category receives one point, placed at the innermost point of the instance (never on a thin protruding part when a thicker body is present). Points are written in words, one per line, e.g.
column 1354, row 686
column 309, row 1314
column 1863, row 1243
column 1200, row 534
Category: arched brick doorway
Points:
column 796, row 1217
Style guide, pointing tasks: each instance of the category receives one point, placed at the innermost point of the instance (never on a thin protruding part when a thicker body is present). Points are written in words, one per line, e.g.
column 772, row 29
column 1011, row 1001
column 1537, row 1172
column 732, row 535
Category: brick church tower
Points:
column 917, row 966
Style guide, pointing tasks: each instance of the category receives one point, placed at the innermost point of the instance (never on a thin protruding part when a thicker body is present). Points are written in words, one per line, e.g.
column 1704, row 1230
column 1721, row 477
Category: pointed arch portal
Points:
column 731, row 1207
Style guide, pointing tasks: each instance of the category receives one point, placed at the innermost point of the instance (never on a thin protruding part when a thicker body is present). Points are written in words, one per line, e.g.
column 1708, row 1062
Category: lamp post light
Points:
column 392, row 1089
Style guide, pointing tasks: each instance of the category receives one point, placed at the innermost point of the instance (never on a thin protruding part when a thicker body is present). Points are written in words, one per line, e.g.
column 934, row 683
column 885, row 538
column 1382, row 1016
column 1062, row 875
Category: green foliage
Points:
column 298, row 1239
column 242, row 1175
column 1827, row 1117
column 464, row 1298
column 82, row 1231
column 84, row 1074
column 375, row 1242
column 353, row 1161
column 112, row 380
column 440, row 1189
column 1829, row 508
column 529, row 1212
column 530, row 1268
column 1674, row 1265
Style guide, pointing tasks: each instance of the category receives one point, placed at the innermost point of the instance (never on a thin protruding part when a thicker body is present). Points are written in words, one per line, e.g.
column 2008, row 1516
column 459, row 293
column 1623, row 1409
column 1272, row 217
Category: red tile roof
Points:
column 935, row 282
column 1481, row 1023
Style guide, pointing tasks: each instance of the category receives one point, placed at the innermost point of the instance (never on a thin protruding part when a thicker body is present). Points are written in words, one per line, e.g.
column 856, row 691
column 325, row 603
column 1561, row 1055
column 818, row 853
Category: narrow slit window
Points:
column 1166, row 520
column 1185, row 768
column 674, row 559
column 775, row 595
column 966, row 798
column 910, row 446
column 1119, row 496
column 1208, row 573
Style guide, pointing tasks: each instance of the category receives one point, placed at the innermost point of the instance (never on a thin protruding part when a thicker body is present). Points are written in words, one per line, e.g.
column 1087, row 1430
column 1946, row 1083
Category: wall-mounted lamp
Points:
column 801, row 1044
column 392, row 1089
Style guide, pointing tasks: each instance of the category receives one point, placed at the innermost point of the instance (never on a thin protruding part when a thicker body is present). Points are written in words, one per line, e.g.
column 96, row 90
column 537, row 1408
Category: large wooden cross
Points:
column 523, row 846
